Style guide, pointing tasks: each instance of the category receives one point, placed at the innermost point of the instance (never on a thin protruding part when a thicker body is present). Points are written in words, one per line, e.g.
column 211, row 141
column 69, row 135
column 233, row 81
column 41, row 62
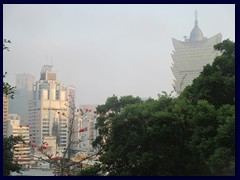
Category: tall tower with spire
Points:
column 191, row 55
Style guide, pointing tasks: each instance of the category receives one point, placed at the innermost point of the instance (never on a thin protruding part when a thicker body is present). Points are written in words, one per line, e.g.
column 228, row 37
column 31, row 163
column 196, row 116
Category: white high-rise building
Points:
column 21, row 151
column 84, row 126
column 191, row 55
column 71, row 94
column 48, row 110
column 88, row 136
column 5, row 114
column 51, row 144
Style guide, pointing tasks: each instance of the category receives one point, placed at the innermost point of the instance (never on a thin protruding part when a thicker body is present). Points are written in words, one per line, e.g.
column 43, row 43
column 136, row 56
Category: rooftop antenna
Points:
column 46, row 59
column 51, row 60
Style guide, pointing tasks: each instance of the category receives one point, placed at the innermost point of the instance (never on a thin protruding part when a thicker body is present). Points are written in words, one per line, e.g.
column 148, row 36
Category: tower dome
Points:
column 196, row 33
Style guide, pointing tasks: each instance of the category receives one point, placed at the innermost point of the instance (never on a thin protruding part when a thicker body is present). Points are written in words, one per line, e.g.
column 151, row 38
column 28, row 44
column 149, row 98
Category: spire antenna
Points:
column 196, row 15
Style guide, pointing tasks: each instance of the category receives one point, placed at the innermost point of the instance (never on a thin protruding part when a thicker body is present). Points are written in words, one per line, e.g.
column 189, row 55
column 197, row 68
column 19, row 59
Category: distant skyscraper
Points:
column 19, row 105
column 25, row 81
column 48, row 110
column 191, row 55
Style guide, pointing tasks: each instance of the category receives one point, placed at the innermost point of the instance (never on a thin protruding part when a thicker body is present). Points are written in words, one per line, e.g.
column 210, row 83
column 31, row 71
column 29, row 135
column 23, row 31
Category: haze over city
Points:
column 106, row 49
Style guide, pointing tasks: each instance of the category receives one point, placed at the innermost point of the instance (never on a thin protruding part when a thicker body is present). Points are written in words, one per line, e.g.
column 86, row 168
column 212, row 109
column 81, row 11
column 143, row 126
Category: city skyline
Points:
column 106, row 49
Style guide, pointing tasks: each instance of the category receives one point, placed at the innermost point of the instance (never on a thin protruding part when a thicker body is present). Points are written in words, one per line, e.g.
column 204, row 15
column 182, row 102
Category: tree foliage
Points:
column 222, row 160
column 8, row 142
column 107, row 112
column 93, row 170
column 8, row 90
column 193, row 134
column 216, row 83
column 8, row 164
column 5, row 47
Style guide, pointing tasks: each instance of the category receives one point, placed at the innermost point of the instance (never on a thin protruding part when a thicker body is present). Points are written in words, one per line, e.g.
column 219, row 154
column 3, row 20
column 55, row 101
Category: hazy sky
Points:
column 106, row 49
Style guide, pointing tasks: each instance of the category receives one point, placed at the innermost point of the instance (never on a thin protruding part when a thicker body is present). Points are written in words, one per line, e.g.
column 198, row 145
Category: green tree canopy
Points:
column 193, row 134
column 216, row 83
column 8, row 164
